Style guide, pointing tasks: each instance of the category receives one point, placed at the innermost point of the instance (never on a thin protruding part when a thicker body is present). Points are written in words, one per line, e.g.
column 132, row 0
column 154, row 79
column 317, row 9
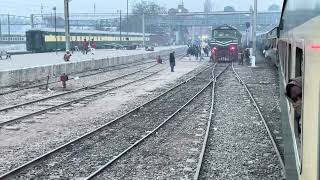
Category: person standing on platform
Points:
column 172, row 61
column 85, row 46
column 93, row 46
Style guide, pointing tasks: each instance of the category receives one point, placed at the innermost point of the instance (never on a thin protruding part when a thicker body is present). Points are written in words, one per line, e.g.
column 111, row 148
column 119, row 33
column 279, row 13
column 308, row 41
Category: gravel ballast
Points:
column 263, row 82
column 238, row 145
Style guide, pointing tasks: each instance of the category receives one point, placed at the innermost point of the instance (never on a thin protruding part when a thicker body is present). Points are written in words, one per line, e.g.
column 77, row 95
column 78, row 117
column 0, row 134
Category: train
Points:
column 225, row 43
column 297, row 47
column 49, row 39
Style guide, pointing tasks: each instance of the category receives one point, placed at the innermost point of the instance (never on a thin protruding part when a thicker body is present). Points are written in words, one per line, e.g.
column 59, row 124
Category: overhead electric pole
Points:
column 143, row 30
column 120, row 28
column 254, row 29
column 9, row 30
column 67, row 27
column 254, row 34
column 94, row 8
column 55, row 27
column 127, row 20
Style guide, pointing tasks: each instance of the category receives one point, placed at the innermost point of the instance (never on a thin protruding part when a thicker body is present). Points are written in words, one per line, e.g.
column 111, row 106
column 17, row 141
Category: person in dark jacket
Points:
column 172, row 61
column 294, row 95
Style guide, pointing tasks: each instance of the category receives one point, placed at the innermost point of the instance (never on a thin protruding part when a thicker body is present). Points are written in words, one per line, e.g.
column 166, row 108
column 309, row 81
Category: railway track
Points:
column 162, row 155
column 82, row 157
column 15, row 113
column 254, row 102
column 216, row 164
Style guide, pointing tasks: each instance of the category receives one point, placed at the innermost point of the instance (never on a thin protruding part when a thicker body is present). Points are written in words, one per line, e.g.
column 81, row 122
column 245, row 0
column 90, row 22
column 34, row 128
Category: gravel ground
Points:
column 238, row 145
column 40, row 134
column 263, row 82
column 83, row 157
column 172, row 152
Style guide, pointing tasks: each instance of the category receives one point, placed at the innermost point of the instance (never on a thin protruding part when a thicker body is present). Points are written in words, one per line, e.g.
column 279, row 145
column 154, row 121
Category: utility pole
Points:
column 9, row 30
column 94, row 8
column 31, row 19
column 254, row 31
column 143, row 30
column 67, row 27
column 120, row 28
column 127, row 21
column 0, row 28
column 41, row 14
column 55, row 28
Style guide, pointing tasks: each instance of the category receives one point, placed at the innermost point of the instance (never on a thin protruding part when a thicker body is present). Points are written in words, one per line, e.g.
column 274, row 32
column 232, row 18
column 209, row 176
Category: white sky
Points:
column 27, row 7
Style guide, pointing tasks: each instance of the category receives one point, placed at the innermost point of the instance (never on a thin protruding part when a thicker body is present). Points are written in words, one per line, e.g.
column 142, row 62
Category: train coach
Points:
column 299, row 55
column 225, row 43
column 46, row 40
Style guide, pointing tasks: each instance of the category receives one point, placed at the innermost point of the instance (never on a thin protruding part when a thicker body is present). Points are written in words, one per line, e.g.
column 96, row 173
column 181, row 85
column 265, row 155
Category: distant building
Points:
column 180, row 9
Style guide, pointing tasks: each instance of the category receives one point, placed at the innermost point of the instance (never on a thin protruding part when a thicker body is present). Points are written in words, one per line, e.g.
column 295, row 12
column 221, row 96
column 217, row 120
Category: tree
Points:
column 229, row 9
column 207, row 6
column 274, row 7
column 148, row 7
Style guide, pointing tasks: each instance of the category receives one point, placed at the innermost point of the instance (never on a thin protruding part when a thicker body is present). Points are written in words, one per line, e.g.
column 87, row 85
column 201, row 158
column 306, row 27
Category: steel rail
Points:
column 205, row 141
column 32, row 162
column 262, row 118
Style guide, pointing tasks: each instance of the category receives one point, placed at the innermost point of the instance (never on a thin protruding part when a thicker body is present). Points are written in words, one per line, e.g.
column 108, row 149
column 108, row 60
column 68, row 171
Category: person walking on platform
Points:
column 172, row 61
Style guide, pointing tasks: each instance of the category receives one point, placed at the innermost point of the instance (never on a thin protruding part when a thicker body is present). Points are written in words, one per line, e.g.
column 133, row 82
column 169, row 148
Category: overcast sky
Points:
column 26, row 7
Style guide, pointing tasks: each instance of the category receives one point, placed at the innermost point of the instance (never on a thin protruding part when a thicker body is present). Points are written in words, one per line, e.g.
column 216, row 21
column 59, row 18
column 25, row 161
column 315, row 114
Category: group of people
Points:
column 196, row 51
column 86, row 47
column 244, row 55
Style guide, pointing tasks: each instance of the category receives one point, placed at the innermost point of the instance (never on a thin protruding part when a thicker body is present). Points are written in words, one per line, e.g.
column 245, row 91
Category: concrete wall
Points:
column 16, row 77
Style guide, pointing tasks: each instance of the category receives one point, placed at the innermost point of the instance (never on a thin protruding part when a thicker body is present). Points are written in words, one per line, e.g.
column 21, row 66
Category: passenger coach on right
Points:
column 299, row 55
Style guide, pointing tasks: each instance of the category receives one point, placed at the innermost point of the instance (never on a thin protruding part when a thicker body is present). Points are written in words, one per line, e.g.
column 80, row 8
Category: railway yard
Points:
column 139, row 120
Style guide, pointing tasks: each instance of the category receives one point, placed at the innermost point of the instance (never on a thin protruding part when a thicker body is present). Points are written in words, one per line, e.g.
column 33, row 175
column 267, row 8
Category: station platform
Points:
column 44, row 59
column 33, row 67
